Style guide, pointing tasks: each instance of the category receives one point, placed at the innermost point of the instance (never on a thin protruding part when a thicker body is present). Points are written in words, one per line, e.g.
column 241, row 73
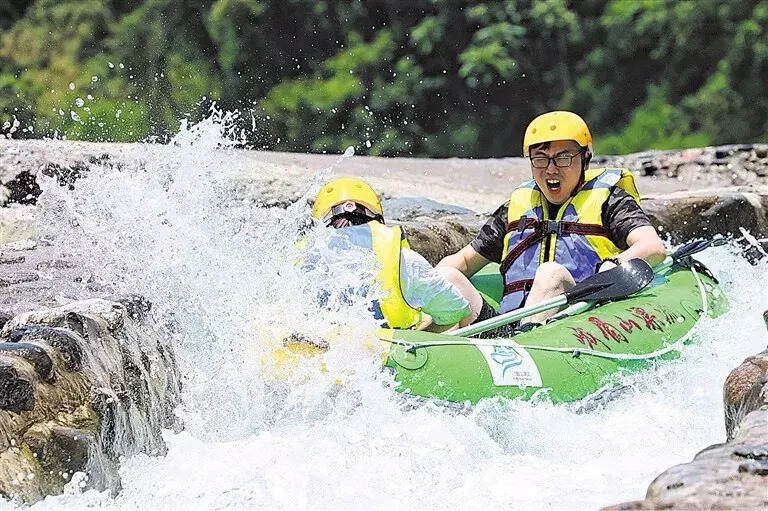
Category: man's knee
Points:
column 553, row 275
column 458, row 279
column 466, row 289
column 552, row 270
column 453, row 275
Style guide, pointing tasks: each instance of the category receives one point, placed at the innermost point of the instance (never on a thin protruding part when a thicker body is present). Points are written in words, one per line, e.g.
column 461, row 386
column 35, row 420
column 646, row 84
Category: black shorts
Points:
column 488, row 312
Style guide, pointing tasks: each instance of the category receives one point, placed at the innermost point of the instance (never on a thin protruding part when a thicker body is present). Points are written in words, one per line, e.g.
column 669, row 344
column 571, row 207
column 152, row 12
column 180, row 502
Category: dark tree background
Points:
column 392, row 77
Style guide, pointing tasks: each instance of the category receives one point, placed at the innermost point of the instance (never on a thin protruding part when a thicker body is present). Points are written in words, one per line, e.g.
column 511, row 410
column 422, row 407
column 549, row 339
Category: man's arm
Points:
column 643, row 243
column 631, row 230
column 467, row 260
column 486, row 247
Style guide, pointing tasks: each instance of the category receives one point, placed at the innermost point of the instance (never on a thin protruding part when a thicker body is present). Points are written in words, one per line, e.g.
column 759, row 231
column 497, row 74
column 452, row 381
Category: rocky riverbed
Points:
column 77, row 365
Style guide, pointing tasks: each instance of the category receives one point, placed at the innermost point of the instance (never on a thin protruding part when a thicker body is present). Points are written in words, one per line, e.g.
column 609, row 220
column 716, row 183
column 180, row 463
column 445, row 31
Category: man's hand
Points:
column 606, row 265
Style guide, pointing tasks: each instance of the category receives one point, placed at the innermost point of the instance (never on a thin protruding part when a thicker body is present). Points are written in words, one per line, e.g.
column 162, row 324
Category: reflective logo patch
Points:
column 511, row 366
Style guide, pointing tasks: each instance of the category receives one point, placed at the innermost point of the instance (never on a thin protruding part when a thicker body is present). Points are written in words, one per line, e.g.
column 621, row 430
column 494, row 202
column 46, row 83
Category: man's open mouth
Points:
column 553, row 184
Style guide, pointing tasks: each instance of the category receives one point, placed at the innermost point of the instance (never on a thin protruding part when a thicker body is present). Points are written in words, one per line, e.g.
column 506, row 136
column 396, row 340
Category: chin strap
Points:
column 586, row 157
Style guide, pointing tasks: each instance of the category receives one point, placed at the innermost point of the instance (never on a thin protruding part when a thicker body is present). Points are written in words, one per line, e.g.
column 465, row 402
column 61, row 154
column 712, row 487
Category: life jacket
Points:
column 386, row 243
column 575, row 237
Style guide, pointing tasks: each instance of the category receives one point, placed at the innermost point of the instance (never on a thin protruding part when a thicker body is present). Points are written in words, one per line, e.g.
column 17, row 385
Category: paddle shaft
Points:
column 615, row 283
column 560, row 300
column 524, row 312
column 510, row 317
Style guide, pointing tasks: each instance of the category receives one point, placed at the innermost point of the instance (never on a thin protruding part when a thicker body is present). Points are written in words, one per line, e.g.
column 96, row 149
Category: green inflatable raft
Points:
column 582, row 351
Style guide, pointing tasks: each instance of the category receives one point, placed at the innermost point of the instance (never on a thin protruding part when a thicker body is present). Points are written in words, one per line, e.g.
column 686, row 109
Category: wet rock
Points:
column 137, row 306
column 745, row 390
column 60, row 450
column 54, row 264
column 9, row 279
column 11, row 260
column 22, row 189
column 649, row 168
column 17, row 392
column 66, row 175
column 69, row 344
column 723, row 152
column 435, row 239
column 20, row 170
column 683, row 216
column 279, row 179
column 80, row 386
column 410, row 208
column 732, row 475
column 4, row 318
column 704, row 167
column 35, row 355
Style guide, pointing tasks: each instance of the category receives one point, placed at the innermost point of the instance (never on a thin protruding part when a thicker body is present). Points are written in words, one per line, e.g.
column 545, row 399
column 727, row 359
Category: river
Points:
column 221, row 272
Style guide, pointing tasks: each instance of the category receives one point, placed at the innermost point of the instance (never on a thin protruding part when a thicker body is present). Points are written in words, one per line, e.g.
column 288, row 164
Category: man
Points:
column 564, row 225
column 409, row 283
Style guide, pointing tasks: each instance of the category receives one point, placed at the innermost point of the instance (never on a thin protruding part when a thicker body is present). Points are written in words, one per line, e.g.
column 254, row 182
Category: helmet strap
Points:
column 586, row 156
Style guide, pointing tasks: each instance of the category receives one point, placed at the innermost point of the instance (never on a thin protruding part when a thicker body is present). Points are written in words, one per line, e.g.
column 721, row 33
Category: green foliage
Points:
column 424, row 77
column 655, row 125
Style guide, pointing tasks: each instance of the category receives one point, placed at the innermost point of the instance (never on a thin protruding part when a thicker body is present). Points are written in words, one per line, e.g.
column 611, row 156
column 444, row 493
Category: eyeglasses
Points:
column 560, row 160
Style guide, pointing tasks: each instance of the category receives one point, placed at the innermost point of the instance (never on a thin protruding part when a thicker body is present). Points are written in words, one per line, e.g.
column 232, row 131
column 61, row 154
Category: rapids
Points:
column 222, row 275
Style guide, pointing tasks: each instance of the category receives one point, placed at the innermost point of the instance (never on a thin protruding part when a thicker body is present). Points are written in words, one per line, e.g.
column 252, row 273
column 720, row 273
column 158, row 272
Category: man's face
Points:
column 557, row 183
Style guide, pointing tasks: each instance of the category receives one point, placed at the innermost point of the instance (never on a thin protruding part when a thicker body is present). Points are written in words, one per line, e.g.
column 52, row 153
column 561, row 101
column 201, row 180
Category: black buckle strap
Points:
column 542, row 227
column 548, row 227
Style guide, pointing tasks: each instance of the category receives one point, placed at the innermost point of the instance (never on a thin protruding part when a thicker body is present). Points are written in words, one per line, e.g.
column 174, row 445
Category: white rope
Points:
column 703, row 291
column 573, row 351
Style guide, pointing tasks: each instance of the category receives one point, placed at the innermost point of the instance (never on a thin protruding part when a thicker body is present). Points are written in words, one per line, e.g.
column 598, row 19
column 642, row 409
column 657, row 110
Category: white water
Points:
column 226, row 273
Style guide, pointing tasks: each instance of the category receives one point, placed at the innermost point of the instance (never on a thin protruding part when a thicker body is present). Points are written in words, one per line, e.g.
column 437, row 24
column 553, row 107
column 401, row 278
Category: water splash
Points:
column 223, row 274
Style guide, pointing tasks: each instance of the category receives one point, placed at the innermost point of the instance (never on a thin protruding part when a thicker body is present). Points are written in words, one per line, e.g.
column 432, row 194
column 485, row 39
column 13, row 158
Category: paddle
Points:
column 690, row 248
column 612, row 284
column 683, row 251
column 693, row 247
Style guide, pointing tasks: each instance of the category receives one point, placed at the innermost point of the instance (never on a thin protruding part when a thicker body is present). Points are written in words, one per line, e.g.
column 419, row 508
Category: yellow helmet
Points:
column 345, row 189
column 557, row 125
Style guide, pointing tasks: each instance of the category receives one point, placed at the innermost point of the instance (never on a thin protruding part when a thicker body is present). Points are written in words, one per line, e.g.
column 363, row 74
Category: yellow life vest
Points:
column 574, row 237
column 387, row 242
